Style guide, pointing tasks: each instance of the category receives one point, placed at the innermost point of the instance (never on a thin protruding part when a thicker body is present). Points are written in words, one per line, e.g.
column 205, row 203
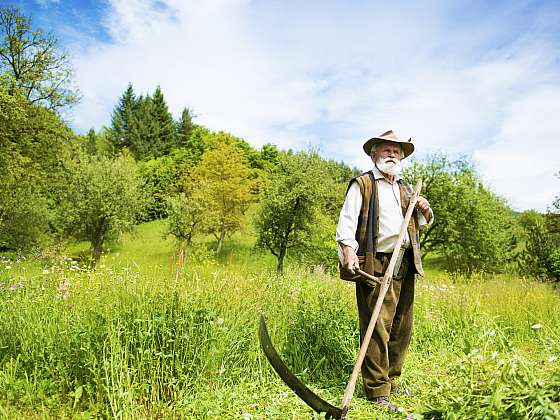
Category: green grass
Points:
column 133, row 340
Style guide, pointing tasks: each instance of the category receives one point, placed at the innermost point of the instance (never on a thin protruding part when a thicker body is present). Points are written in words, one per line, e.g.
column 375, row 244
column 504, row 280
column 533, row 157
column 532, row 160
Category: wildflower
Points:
column 8, row 267
column 552, row 358
column 46, row 271
column 64, row 290
column 472, row 352
column 536, row 326
column 494, row 355
column 220, row 321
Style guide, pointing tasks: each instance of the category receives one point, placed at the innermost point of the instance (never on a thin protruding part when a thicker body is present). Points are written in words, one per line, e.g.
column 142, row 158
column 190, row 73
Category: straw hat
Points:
column 406, row 145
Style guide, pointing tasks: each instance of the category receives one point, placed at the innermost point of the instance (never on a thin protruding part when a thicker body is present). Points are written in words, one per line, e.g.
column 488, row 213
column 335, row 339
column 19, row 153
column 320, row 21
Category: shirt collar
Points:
column 378, row 175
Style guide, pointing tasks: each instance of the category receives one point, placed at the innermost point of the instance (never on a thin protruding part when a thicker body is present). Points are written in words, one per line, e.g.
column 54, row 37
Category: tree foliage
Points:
column 102, row 200
column 290, row 203
column 188, row 216
column 31, row 62
column 143, row 125
column 541, row 256
column 34, row 142
column 473, row 228
column 185, row 127
column 228, row 185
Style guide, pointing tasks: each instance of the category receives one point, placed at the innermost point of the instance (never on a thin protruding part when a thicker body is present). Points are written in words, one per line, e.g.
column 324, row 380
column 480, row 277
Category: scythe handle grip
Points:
column 368, row 276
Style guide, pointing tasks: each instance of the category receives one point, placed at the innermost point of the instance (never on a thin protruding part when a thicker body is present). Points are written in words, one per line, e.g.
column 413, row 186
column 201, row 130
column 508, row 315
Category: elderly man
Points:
column 367, row 231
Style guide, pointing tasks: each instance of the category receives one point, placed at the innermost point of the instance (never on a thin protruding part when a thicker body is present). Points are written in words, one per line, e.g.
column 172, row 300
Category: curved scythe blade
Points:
column 310, row 398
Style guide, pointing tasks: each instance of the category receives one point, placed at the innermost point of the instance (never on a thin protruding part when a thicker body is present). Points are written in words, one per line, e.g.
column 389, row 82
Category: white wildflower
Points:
column 536, row 326
column 552, row 358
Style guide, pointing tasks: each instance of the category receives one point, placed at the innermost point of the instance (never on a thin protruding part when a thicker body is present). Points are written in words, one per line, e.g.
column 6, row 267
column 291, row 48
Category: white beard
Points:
column 389, row 166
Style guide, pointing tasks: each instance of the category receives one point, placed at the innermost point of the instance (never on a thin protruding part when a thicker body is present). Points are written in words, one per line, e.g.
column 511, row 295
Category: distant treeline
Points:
column 59, row 186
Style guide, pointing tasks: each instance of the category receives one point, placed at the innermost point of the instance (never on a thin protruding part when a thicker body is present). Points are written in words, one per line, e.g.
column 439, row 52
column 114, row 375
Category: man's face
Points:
column 387, row 158
column 387, row 150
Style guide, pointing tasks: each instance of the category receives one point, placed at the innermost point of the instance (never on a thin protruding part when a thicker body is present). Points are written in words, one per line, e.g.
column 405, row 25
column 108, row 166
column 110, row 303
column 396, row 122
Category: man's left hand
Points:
column 424, row 207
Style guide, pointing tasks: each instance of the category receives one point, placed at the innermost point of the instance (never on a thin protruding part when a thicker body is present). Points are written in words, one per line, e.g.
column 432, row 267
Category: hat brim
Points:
column 407, row 146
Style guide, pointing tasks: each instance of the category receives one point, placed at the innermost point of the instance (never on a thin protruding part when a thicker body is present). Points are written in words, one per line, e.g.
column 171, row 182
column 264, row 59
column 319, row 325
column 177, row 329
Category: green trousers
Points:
column 387, row 348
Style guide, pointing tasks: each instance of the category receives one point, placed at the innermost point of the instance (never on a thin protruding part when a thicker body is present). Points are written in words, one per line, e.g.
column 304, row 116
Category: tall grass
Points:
column 131, row 340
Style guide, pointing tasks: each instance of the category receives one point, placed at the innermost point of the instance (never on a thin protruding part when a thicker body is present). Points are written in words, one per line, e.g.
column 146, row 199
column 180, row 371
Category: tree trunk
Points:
column 221, row 240
column 97, row 248
column 187, row 250
column 281, row 255
column 97, row 243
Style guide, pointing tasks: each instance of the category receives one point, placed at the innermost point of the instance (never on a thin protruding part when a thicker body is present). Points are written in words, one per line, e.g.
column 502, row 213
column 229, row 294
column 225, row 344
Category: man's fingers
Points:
column 353, row 265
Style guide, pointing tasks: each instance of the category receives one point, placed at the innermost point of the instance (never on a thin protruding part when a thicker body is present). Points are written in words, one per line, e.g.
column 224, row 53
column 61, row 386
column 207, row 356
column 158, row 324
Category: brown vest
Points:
column 368, row 227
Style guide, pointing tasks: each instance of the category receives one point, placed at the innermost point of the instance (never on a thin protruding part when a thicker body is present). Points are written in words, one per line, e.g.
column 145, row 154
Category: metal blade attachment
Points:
column 308, row 396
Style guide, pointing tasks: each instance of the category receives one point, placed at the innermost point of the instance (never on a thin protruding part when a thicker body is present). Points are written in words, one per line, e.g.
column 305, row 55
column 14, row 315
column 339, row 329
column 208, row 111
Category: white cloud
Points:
column 334, row 76
column 524, row 156
column 45, row 3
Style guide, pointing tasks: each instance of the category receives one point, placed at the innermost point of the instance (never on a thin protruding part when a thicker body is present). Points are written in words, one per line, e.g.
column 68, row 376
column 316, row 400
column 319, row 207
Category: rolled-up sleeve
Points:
column 348, row 219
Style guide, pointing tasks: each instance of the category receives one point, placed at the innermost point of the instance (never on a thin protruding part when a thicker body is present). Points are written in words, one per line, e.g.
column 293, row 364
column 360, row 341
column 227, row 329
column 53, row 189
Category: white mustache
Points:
column 389, row 165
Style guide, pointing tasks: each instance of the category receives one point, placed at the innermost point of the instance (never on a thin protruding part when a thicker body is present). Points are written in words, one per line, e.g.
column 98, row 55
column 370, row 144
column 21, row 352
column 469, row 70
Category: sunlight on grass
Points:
column 133, row 340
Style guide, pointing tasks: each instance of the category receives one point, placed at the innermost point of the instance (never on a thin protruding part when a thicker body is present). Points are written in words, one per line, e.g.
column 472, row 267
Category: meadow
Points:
column 137, row 339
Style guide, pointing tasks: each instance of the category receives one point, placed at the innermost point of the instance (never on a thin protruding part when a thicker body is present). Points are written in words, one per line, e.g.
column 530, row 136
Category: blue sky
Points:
column 474, row 78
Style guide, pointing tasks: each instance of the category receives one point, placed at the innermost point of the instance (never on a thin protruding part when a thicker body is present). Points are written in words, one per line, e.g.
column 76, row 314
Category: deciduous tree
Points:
column 34, row 142
column 228, row 187
column 102, row 200
column 32, row 62
column 473, row 229
column 289, row 204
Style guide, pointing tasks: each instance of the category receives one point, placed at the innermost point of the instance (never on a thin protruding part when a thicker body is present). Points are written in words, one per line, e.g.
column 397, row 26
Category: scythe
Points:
column 308, row 396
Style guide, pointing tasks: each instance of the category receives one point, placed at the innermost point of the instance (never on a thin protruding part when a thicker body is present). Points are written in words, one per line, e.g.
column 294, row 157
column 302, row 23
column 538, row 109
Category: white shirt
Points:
column 390, row 216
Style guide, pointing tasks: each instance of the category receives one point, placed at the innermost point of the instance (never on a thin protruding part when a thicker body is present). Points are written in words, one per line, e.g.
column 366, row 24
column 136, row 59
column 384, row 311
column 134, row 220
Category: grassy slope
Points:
column 133, row 340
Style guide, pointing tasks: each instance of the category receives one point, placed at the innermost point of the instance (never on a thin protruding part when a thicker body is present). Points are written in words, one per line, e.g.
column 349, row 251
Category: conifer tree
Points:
column 164, row 136
column 122, row 119
column 184, row 128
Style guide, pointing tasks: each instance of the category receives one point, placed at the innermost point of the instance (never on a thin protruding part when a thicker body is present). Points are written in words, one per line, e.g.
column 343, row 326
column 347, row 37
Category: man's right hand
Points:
column 351, row 261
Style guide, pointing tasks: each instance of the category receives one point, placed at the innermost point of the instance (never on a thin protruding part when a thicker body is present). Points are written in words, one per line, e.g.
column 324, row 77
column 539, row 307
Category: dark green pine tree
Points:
column 121, row 119
column 184, row 128
column 165, row 136
column 143, row 130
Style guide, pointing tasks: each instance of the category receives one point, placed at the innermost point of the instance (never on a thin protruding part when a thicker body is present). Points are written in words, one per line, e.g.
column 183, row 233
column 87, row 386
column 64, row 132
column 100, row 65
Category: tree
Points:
column 159, row 177
column 34, row 143
column 122, row 119
column 143, row 125
column 184, row 127
column 289, row 204
column 473, row 229
column 165, row 137
column 32, row 63
column 541, row 255
column 188, row 215
column 228, row 188
column 102, row 200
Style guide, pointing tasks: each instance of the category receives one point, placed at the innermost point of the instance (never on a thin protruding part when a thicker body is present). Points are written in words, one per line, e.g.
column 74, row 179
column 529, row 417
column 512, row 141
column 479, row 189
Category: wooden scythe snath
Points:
column 308, row 396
